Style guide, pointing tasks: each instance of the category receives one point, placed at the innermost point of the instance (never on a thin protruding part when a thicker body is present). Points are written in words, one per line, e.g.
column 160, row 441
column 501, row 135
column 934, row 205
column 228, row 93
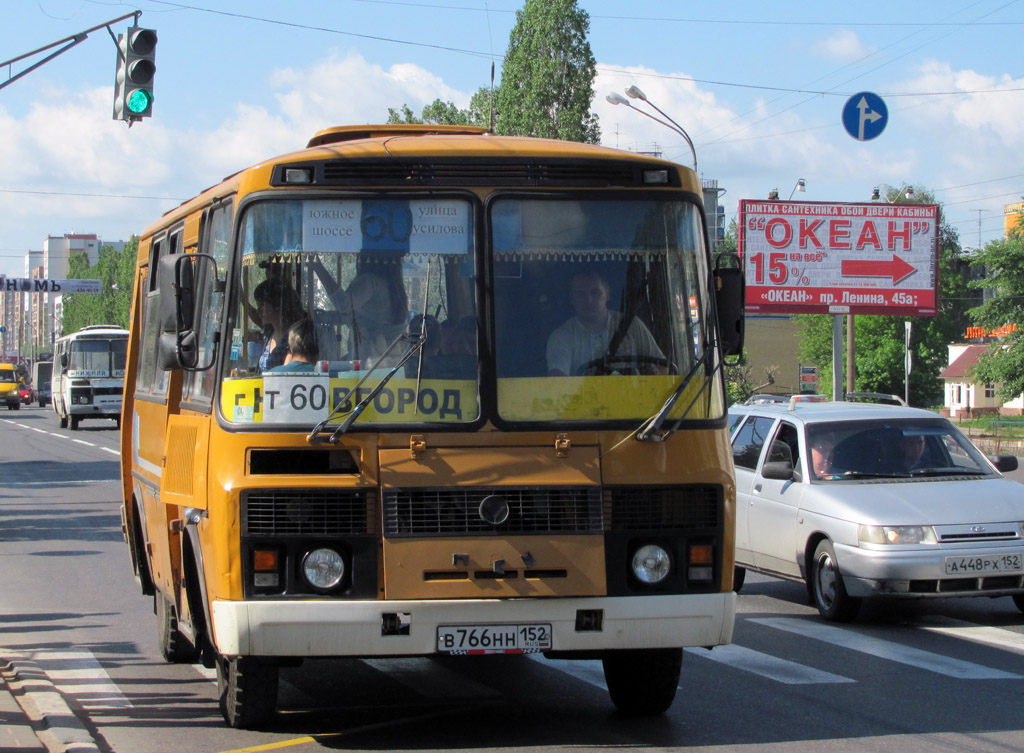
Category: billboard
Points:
column 805, row 257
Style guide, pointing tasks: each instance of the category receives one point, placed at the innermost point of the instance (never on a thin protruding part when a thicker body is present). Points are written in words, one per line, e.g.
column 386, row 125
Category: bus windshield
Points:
column 328, row 289
column 600, row 308
column 98, row 358
column 594, row 301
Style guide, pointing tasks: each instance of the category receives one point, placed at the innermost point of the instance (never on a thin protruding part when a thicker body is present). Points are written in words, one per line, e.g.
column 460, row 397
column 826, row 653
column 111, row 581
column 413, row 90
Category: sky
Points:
column 759, row 87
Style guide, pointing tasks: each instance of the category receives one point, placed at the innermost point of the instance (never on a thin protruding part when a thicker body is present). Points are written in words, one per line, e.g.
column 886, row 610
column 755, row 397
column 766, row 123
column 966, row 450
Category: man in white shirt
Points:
column 587, row 336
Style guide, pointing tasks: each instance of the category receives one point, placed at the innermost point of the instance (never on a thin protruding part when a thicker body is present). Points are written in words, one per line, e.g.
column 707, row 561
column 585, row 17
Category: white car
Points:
column 862, row 500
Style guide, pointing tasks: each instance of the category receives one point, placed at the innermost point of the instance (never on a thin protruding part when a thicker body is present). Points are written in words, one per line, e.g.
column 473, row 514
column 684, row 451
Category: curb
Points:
column 53, row 721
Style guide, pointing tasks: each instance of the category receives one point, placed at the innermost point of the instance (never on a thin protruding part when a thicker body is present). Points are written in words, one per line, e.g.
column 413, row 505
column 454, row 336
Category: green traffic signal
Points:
column 139, row 101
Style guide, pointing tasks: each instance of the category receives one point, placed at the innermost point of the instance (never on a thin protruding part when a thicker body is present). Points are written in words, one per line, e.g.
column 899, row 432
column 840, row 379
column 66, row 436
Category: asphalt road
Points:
column 905, row 677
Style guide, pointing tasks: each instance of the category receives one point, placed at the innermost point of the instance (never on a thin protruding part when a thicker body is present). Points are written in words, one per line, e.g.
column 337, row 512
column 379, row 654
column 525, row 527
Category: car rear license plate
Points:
column 493, row 639
column 970, row 566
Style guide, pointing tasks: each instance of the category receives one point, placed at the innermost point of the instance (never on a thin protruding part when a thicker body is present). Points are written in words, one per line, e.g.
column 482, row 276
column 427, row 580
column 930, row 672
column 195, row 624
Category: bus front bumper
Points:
column 367, row 628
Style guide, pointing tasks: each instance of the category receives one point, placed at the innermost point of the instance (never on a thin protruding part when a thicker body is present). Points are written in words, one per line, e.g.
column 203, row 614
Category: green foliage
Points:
column 1003, row 364
column 446, row 113
column 116, row 273
column 547, row 81
column 879, row 340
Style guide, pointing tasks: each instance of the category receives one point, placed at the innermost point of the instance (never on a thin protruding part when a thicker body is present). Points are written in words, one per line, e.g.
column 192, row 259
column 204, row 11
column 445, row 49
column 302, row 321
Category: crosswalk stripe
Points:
column 77, row 673
column 766, row 665
column 990, row 636
column 589, row 670
column 886, row 649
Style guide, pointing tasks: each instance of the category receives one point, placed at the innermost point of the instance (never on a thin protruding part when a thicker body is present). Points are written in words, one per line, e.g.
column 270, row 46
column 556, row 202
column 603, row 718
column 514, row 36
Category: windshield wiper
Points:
column 648, row 431
column 416, row 341
column 947, row 472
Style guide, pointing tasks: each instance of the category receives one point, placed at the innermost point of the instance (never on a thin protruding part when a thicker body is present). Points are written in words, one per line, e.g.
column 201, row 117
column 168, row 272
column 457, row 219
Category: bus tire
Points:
column 74, row 422
column 642, row 682
column 174, row 647
column 62, row 415
column 739, row 577
column 247, row 689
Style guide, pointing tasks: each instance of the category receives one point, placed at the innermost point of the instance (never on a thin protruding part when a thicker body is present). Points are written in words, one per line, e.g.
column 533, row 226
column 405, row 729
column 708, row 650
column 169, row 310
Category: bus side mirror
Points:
column 730, row 293
column 177, row 276
column 63, row 360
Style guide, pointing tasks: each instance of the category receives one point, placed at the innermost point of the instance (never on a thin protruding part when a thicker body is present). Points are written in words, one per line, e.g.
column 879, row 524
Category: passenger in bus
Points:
column 277, row 306
column 589, row 335
column 374, row 305
column 303, row 350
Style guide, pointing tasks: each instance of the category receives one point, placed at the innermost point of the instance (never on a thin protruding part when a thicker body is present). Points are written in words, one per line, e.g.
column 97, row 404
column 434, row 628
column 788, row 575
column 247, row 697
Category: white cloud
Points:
column 844, row 46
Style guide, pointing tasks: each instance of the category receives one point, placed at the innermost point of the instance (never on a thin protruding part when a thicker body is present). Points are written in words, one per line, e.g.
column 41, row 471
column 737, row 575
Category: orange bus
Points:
column 422, row 390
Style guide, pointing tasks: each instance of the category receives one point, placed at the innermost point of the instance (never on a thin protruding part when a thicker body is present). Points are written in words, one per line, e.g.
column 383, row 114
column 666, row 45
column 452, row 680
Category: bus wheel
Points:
column 74, row 422
column 247, row 687
column 62, row 416
column 174, row 646
column 643, row 682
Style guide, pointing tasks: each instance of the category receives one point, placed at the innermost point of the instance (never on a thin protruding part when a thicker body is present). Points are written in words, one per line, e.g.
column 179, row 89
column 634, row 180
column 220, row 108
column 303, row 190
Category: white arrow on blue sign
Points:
column 865, row 116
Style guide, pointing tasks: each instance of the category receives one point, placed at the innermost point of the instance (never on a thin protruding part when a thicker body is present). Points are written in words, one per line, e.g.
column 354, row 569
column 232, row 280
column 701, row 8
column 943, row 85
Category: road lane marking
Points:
column 968, row 631
column 82, row 441
column 77, row 673
column 766, row 665
column 112, row 452
column 589, row 670
column 883, row 649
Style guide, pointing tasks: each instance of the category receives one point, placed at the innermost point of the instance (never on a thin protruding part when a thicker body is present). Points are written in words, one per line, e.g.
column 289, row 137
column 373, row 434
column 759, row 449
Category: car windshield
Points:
column 842, row 450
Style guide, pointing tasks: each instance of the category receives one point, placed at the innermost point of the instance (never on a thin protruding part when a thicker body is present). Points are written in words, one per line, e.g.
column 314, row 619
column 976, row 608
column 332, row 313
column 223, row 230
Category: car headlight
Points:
column 897, row 535
column 323, row 568
column 651, row 564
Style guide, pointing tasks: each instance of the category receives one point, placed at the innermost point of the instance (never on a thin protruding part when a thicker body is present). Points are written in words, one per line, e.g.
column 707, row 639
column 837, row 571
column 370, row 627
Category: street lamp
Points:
column 634, row 93
column 907, row 191
column 801, row 186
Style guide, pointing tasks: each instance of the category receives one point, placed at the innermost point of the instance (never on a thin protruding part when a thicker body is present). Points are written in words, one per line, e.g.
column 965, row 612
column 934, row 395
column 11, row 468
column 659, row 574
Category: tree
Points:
column 547, row 80
column 1003, row 363
column 446, row 113
column 879, row 340
column 116, row 272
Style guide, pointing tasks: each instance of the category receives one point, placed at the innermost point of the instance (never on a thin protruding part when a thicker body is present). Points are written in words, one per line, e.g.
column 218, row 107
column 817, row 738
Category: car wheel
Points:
column 642, row 682
column 247, row 687
column 827, row 589
column 1018, row 600
column 739, row 576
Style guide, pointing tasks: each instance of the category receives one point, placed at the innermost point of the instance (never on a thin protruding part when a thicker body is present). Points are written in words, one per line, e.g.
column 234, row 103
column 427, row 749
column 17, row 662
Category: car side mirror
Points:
column 1004, row 463
column 778, row 470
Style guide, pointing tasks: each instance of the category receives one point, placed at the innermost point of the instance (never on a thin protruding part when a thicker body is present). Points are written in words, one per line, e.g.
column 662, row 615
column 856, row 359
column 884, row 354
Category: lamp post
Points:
column 635, row 93
column 801, row 186
column 907, row 191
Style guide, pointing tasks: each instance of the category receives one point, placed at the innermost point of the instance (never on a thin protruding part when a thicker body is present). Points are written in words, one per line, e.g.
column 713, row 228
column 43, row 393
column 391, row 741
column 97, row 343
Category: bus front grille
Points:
column 635, row 508
column 470, row 511
column 304, row 512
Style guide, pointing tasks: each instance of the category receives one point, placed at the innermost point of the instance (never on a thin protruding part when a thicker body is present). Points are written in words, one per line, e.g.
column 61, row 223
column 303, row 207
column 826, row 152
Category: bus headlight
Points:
column 323, row 568
column 651, row 564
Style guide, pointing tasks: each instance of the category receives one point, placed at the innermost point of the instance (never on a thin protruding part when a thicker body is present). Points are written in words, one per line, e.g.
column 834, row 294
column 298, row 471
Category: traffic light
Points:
column 136, row 67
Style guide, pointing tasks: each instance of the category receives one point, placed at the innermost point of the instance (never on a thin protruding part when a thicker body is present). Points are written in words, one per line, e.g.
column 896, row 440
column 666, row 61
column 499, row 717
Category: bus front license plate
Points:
column 493, row 639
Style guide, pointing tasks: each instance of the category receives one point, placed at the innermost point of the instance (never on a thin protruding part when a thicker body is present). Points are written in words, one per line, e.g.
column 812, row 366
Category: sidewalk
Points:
column 34, row 717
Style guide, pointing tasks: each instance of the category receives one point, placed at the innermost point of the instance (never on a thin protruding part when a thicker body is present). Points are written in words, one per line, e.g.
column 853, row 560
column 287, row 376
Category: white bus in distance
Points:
column 88, row 374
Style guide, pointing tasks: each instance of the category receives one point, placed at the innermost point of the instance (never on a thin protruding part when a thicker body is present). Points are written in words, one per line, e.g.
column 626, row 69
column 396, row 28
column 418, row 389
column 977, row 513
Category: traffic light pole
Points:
column 69, row 42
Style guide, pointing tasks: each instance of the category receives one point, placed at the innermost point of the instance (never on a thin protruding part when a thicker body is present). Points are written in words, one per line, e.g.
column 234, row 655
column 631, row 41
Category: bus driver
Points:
column 588, row 335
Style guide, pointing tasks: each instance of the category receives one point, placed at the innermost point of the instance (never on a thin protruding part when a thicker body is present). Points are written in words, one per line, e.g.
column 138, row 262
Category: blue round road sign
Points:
column 865, row 116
